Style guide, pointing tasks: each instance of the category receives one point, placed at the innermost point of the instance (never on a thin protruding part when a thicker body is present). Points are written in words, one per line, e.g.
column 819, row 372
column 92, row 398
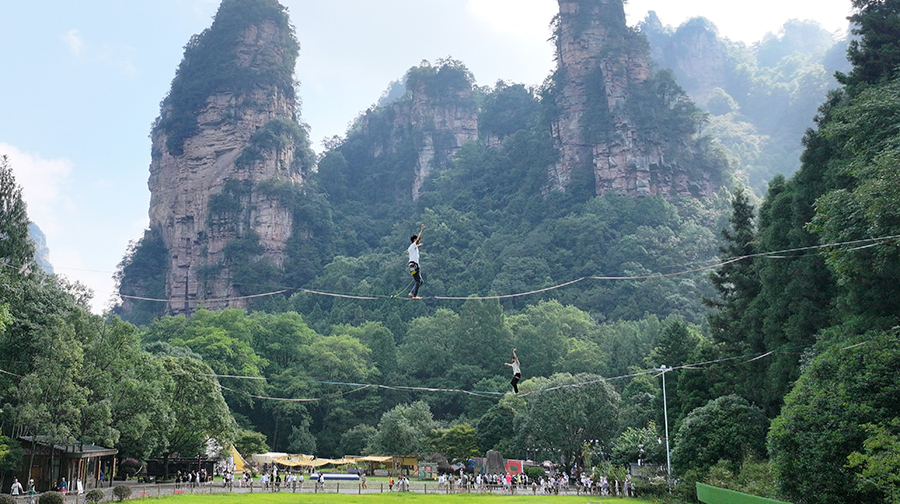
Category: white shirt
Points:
column 413, row 252
column 515, row 366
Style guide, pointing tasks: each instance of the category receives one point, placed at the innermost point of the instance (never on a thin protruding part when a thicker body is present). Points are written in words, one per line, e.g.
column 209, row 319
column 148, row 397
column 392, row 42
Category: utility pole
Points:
column 663, row 369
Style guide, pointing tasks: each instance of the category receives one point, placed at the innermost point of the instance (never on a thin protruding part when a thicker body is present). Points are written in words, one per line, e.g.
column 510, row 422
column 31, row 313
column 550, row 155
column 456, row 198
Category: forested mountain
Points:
column 761, row 98
column 775, row 318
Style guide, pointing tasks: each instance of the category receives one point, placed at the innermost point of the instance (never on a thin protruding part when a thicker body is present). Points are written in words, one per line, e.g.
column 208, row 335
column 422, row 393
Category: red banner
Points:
column 514, row 466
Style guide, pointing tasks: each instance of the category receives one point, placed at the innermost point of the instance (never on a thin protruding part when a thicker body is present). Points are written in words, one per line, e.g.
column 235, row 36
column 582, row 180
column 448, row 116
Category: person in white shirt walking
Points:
column 415, row 271
column 517, row 372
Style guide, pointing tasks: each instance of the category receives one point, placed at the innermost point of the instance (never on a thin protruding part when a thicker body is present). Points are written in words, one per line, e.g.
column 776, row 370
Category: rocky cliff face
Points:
column 440, row 116
column 41, row 250
column 205, row 188
column 602, row 66
column 694, row 52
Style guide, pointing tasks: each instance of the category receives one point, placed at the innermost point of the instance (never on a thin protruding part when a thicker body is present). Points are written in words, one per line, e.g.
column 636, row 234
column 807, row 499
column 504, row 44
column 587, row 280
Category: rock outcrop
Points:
column 205, row 186
column 695, row 52
column 41, row 250
column 602, row 66
column 438, row 110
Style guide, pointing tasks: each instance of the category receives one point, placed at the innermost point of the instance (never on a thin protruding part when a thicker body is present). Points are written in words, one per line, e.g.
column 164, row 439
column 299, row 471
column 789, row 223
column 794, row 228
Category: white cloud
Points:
column 117, row 56
column 41, row 181
column 76, row 44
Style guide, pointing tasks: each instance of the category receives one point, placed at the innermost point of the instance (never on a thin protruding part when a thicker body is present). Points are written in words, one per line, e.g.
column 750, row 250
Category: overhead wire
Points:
column 747, row 358
column 362, row 386
column 869, row 242
column 776, row 254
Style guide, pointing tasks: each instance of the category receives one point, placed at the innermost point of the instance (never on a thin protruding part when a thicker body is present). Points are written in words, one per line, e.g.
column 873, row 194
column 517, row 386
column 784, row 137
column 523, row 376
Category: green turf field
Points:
column 388, row 498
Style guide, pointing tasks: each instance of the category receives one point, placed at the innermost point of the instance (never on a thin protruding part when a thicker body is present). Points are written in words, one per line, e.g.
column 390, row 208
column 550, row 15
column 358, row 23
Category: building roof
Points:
column 73, row 450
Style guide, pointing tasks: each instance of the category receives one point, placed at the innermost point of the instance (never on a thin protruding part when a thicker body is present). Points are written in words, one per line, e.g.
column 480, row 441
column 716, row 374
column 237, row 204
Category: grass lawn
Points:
column 389, row 498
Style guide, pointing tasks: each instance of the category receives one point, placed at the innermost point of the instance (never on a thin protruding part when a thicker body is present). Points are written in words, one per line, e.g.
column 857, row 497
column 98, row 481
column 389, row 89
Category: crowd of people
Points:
column 603, row 487
column 268, row 481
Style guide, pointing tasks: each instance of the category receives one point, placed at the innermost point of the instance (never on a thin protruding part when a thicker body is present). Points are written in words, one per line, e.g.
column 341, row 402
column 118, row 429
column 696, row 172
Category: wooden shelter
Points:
column 76, row 462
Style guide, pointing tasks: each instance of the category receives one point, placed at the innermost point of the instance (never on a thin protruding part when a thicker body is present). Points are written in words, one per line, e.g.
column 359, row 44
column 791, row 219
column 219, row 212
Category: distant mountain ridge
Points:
column 41, row 250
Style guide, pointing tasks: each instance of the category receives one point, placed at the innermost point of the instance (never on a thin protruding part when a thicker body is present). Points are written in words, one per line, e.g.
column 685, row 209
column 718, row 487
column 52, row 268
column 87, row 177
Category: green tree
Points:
column 728, row 428
column 301, row 440
column 16, row 247
column 458, row 443
column 677, row 346
column 248, row 442
column 496, row 428
column 551, row 331
column 430, row 344
column 125, row 387
column 198, row 410
column 565, row 410
column 638, row 406
column 879, row 465
column 379, row 340
column 404, row 430
column 736, row 280
column 875, row 54
column 50, row 397
column 280, row 339
column 355, row 440
column 224, row 340
column 850, row 383
column 142, row 273
column 865, row 206
column 635, row 445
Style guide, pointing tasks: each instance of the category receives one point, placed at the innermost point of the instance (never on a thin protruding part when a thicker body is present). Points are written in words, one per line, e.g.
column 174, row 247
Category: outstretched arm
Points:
column 419, row 238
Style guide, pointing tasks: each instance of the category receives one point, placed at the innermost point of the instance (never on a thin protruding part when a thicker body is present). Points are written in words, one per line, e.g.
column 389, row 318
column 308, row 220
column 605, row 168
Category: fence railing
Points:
column 139, row 490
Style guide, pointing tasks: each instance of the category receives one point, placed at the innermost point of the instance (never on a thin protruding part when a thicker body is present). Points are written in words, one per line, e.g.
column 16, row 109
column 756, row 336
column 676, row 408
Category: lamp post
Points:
column 663, row 369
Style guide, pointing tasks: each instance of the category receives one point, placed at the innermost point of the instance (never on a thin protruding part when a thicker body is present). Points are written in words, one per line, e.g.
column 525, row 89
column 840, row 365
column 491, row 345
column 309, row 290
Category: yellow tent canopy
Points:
column 239, row 461
column 267, row 458
column 318, row 462
column 375, row 458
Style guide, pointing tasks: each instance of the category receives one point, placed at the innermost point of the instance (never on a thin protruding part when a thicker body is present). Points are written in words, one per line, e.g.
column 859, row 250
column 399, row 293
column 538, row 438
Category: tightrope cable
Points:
column 862, row 244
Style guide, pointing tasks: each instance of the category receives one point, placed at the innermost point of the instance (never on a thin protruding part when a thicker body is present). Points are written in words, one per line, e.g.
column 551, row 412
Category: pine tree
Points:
column 736, row 280
column 875, row 54
column 16, row 247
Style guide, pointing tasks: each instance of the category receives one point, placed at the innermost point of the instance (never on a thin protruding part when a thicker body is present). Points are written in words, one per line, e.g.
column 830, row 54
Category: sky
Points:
column 81, row 83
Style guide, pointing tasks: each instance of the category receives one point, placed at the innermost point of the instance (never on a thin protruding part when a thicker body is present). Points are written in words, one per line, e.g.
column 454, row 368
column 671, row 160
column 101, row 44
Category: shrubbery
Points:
column 121, row 492
column 95, row 495
column 52, row 498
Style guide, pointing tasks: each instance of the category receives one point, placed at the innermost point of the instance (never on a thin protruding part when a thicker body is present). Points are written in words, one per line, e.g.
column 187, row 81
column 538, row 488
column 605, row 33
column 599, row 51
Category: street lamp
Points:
column 663, row 369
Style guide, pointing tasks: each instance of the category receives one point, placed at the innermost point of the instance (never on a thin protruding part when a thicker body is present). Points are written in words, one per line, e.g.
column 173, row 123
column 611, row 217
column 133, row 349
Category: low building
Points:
column 47, row 463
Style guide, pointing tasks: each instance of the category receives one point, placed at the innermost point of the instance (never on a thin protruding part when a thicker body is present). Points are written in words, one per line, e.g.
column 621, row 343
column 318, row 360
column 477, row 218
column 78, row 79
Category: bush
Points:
column 95, row 495
column 121, row 492
column 130, row 467
column 535, row 473
column 52, row 498
column 7, row 499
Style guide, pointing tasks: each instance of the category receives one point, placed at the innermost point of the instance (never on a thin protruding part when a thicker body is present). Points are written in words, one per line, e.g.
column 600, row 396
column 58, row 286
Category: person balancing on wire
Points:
column 414, row 263
column 517, row 373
